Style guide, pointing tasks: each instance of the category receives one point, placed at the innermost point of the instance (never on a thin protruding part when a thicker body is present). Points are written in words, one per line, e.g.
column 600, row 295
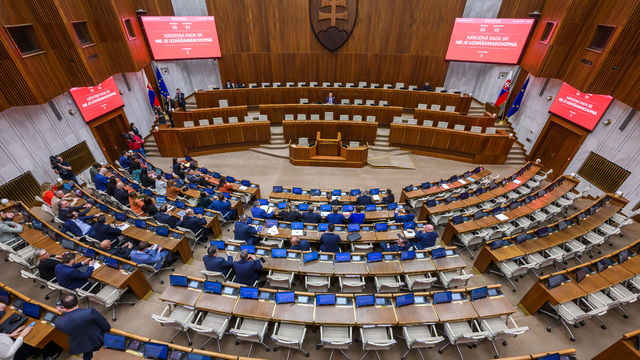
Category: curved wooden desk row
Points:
column 581, row 225
column 50, row 239
column 391, row 263
column 202, row 140
column 302, row 195
column 569, row 353
column 176, row 242
column 292, row 95
column 562, row 185
column 384, row 114
column 485, row 121
column 487, row 192
column 457, row 145
column 625, row 348
column 214, row 177
column 381, row 214
column 570, row 289
column 43, row 332
column 350, row 130
column 305, row 310
column 433, row 188
column 179, row 117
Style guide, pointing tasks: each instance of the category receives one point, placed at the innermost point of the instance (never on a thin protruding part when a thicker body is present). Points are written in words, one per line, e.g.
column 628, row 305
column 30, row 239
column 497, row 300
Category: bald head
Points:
column 427, row 228
column 189, row 212
column 59, row 193
column 295, row 240
column 105, row 244
column 103, row 171
column 120, row 185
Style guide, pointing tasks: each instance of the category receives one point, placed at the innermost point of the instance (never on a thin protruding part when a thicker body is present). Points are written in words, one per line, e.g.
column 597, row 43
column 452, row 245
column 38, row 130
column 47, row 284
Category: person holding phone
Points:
column 8, row 347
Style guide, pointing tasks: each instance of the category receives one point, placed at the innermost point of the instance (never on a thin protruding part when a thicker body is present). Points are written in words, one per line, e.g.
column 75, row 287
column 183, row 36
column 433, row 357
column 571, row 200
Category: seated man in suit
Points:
column 427, row 87
column 310, row 216
column 330, row 100
column 85, row 327
column 101, row 180
column 213, row 262
column 66, row 209
column 388, row 198
column 77, row 225
column 357, row 217
column 364, row 199
column 195, row 223
column 163, row 217
column 246, row 232
column 124, row 160
column 402, row 244
column 68, row 275
column 426, row 237
column 259, row 213
column 58, row 197
column 333, row 200
column 228, row 85
column 193, row 178
column 297, row 244
column 336, row 216
column 121, row 194
column 222, row 205
column 123, row 251
column 8, row 228
column 247, row 269
column 404, row 215
column 104, row 231
column 151, row 255
column 329, row 241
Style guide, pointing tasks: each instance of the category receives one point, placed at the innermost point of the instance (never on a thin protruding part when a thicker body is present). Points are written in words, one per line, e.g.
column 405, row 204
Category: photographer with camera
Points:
column 62, row 168
column 135, row 143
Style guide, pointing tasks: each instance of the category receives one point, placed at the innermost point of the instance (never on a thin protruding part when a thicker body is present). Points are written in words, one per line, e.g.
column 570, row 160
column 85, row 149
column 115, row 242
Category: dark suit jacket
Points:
column 106, row 232
column 330, row 100
column 119, row 251
column 167, row 219
column 427, row 87
column 122, row 196
column 47, row 268
column 180, row 100
column 425, row 239
column 193, row 223
column 230, row 86
column 85, row 327
column 391, row 198
column 62, row 213
column 247, row 272
column 329, row 242
column 289, row 216
column 302, row 246
column 70, row 277
column 335, row 218
column 217, row 263
column 364, row 200
column 309, row 217
column 244, row 231
column 70, row 226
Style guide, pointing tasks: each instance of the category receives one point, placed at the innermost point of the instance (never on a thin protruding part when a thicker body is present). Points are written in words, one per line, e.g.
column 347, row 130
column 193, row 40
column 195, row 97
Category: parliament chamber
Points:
column 402, row 179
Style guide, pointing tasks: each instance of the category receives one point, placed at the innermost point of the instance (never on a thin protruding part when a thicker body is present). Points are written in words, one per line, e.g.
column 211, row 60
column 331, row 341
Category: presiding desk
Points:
column 211, row 139
column 292, row 95
column 453, row 119
column 384, row 114
column 179, row 117
column 328, row 152
column 477, row 148
column 350, row 130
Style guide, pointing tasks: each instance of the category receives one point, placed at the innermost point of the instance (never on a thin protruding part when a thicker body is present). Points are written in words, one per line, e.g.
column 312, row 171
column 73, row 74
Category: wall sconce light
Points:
column 5, row 201
column 72, row 112
column 121, row 92
column 538, row 161
column 607, row 122
column 549, row 98
column 494, row 115
column 573, row 175
column 619, row 193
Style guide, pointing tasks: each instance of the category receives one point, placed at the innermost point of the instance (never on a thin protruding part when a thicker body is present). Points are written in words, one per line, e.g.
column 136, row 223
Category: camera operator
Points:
column 135, row 143
column 62, row 168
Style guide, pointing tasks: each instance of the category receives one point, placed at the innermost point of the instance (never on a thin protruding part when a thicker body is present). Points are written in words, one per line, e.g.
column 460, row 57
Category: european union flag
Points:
column 516, row 104
column 163, row 87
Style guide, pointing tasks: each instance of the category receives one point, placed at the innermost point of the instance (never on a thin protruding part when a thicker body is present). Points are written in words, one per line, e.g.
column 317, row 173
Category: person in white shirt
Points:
column 161, row 186
column 8, row 347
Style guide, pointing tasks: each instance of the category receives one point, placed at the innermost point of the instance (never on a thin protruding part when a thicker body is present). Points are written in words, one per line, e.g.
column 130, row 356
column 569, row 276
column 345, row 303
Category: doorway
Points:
column 108, row 130
column 557, row 144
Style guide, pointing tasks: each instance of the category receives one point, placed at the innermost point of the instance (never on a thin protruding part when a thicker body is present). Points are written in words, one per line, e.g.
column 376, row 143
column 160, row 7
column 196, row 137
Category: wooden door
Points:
column 108, row 130
column 557, row 144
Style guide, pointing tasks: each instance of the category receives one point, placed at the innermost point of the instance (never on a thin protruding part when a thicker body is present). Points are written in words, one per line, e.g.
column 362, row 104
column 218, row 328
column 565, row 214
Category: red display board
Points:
column 94, row 101
column 582, row 109
column 182, row 37
column 498, row 41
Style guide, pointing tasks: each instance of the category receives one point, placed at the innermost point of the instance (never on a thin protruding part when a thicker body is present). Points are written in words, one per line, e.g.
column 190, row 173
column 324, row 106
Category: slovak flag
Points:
column 504, row 93
column 153, row 100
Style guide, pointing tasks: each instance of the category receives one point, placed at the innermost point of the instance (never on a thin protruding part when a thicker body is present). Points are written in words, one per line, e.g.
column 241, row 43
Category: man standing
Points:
column 329, row 241
column 63, row 169
column 213, row 262
column 85, row 327
column 8, row 228
column 244, row 231
column 180, row 101
column 426, row 237
column 297, row 244
column 68, row 274
column 169, row 106
column 330, row 100
column 247, row 269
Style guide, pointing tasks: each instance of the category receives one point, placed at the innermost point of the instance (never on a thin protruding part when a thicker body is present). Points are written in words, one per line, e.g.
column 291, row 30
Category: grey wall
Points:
column 137, row 107
column 189, row 7
column 482, row 8
column 189, row 75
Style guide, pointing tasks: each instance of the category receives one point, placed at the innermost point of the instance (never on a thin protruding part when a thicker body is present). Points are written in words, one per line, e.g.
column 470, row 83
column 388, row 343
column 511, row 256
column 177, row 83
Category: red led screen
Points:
column 94, row 101
column 497, row 41
column 182, row 37
column 580, row 108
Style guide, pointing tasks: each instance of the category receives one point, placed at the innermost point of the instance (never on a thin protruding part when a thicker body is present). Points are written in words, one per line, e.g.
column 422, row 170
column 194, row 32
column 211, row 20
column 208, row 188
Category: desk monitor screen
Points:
column 168, row 176
column 323, row 227
column 121, row 216
column 343, row 257
column 31, row 310
column 555, row 356
column 581, row 274
column 353, row 227
column 37, row 224
column 324, row 208
column 438, row 253
column 104, row 208
column 162, row 231
column 521, row 238
column 286, row 297
column 90, row 253
column 315, row 192
column 408, row 255
column 217, row 243
column 156, row 351
column 457, row 220
column 514, row 205
column 381, row 227
column 554, row 281
column 231, row 179
column 496, row 244
column 355, row 192
column 371, row 207
column 68, row 244
column 479, row 293
column 271, row 223
column 497, row 210
column 251, row 249
column 542, row 232
column 562, row 225
column 277, row 189
column 141, row 224
column 298, row 225
column 193, row 356
column 442, row 297
column 347, row 208
column 282, row 205
column 113, row 263
column 310, row 256
column 336, row 192
column 278, row 253
column 193, row 186
column 623, row 256
column 303, row 207
column 409, row 225
column 296, row 190
column 4, row 297
column 603, row 264
column 431, row 203
column 448, row 200
column 249, row 293
column 180, row 204
column 478, row 215
column 198, row 210
column 392, row 206
column 114, row 342
column 403, row 300
column 325, row 299
column 213, row 287
column 374, row 257
column 365, row 300
column 177, row 280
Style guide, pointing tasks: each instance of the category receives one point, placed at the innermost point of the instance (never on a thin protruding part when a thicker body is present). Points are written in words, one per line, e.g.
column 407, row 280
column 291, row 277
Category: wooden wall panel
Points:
column 393, row 41
column 155, row 7
column 520, row 9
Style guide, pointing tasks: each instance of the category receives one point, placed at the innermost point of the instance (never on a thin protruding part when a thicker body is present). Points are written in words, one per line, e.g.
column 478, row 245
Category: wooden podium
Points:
column 328, row 152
